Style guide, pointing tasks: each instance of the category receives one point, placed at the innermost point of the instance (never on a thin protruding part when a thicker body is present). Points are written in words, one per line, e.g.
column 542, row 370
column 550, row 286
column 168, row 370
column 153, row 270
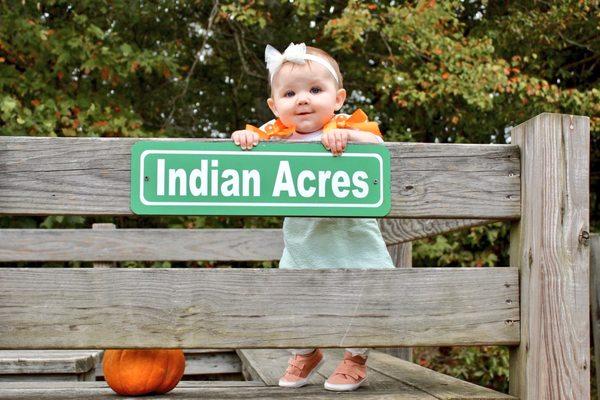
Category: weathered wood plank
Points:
column 84, row 376
column 375, row 380
column 85, row 390
column 184, row 244
column 441, row 386
column 401, row 254
column 384, row 373
column 103, row 385
column 97, row 226
column 203, row 362
column 595, row 299
column 253, row 308
column 222, row 362
column 552, row 361
column 399, row 230
column 269, row 365
column 140, row 244
column 42, row 176
column 47, row 361
column 212, row 363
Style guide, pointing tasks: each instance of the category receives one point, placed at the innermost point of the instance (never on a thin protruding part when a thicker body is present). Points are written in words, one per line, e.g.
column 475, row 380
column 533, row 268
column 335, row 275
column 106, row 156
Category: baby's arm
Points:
column 245, row 139
column 337, row 139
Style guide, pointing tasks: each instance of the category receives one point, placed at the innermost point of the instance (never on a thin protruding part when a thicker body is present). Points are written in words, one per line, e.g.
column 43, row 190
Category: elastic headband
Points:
column 295, row 53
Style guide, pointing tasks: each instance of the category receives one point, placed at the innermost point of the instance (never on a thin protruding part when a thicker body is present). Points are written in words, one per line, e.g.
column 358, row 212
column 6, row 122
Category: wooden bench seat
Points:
column 385, row 373
column 389, row 378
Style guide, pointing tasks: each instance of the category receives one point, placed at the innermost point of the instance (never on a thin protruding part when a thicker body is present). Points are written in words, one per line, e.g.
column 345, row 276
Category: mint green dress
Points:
column 333, row 243
column 317, row 243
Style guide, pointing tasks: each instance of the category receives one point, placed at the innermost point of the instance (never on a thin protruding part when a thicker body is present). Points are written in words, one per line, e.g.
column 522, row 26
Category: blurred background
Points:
column 428, row 71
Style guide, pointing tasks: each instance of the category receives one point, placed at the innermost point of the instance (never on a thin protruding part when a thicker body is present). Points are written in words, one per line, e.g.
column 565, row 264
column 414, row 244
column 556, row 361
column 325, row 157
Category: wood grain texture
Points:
column 47, row 361
column 440, row 386
column 399, row 230
column 256, row 308
column 140, row 244
column 401, row 254
column 202, row 362
column 212, row 363
column 384, row 372
column 269, row 364
column 552, row 361
column 91, row 176
column 375, row 380
column 103, row 245
column 203, row 390
column 595, row 298
column 97, row 226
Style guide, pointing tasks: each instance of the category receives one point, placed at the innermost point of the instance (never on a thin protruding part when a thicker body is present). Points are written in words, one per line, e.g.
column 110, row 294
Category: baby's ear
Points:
column 271, row 105
column 340, row 98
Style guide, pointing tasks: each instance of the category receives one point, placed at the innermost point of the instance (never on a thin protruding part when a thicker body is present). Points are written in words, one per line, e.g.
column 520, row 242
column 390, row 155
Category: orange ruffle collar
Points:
column 358, row 120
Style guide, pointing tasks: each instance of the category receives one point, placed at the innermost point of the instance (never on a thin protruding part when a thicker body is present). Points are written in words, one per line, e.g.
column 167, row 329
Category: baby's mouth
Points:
column 304, row 113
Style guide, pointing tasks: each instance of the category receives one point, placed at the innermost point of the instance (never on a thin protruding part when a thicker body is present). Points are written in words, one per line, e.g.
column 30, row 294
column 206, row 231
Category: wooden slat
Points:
column 84, row 376
column 253, row 308
column 202, row 362
column 202, row 390
column 97, row 226
column 401, row 254
column 103, row 385
column 47, row 361
column 553, row 360
column 212, row 363
column 91, row 176
column 183, row 244
column 441, row 386
column 385, row 372
column 595, row 299
column 406, row 230
column 140, row 244
column 375, row 380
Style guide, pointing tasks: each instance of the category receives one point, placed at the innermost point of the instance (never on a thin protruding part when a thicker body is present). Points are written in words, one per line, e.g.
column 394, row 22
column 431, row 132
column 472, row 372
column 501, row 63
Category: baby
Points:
column 306, row 91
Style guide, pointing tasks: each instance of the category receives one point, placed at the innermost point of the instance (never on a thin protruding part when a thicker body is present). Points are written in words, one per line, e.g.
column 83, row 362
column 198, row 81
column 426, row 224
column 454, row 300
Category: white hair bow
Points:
column 295, row 53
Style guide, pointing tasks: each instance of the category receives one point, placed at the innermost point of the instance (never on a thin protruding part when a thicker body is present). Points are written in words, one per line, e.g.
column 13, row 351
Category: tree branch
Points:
column 211, row 18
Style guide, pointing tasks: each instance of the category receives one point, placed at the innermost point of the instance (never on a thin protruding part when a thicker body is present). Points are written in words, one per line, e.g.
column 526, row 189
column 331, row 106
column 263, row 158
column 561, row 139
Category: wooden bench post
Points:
column 595, row 298
column 550, row 247
column 401, row 254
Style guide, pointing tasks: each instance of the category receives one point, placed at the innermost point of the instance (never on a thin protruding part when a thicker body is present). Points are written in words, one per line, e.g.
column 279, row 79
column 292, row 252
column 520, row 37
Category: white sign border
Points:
column 258, row 153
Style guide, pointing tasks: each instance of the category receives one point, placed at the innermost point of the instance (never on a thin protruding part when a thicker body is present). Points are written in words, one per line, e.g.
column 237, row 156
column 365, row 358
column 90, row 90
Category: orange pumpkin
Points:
column 133, row 372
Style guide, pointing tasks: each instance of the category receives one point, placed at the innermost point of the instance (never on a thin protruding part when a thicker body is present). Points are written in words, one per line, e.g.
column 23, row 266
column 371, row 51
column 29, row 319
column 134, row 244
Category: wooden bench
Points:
column 538, row 305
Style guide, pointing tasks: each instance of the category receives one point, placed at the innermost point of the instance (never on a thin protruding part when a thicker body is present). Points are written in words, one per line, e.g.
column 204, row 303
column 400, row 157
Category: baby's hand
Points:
column 336, row 140
column 245, row 139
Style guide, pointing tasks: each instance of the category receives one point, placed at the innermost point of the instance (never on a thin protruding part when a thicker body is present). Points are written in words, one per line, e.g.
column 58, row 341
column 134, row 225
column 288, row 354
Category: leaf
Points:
column 126, row 49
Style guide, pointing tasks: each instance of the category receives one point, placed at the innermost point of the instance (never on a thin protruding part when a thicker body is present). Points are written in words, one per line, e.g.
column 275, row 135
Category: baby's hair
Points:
column 322, row 53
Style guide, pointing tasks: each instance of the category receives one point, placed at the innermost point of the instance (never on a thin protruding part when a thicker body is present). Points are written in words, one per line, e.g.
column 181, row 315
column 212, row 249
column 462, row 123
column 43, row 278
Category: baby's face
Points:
column 305, row 96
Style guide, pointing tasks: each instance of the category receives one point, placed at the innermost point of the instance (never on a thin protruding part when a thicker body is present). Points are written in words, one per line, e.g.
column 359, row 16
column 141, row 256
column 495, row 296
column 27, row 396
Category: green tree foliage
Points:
column 446, row 71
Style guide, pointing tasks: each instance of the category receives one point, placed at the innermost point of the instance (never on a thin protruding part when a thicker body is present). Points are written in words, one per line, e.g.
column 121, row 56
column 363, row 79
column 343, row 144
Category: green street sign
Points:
column 295, row 179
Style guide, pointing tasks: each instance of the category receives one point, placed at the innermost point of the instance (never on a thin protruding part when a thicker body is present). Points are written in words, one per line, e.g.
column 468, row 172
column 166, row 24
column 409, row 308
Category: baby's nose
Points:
column 302, row 100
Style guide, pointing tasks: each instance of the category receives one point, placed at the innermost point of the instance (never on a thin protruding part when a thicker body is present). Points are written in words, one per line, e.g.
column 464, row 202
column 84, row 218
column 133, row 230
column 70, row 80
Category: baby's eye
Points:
column 315, row 90
column 289, row 93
